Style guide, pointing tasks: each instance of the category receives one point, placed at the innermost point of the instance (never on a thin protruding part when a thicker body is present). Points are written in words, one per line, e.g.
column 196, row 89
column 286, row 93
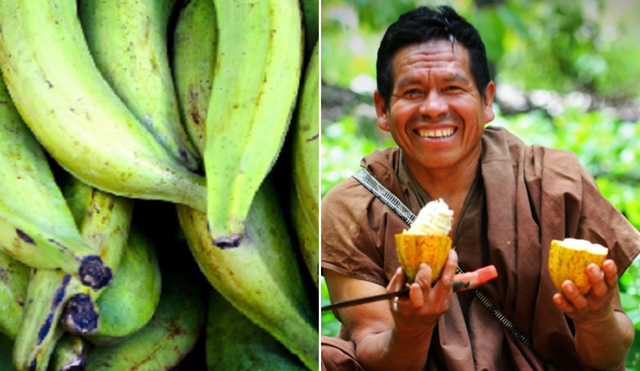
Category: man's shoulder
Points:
column 502, row 142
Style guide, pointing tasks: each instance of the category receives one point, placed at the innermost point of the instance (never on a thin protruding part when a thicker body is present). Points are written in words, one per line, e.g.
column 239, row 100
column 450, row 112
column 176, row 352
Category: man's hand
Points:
column 596, row 305
column 602, row 335
column 425, row 304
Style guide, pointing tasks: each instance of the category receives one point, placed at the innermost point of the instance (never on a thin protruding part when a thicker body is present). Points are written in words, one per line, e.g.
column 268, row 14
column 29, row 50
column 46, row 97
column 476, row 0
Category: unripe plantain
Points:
column 194, row 59
column 14, row 280
column 129, row 301
column 128, row 42
column 415, row 249
column 168, row 337
column 251, row 347
column 69, row 354
column 569, row 258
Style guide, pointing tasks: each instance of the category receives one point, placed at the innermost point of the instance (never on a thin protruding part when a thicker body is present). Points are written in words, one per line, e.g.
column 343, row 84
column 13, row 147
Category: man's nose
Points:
column 434, row 104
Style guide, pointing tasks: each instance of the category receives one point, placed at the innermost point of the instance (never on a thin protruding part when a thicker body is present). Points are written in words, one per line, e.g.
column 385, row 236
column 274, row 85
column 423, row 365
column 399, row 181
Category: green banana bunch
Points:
column 103, row 220
column 69, row 354
column 257, row 73
column 305, row 194
column 14, row 280
column 130, row 300
column 36, row 225
column 74, row 112
column 311, row 10
column 261, row 277
column 128, row 41
column 167, row 338
column 194, row 53
column 233, row 342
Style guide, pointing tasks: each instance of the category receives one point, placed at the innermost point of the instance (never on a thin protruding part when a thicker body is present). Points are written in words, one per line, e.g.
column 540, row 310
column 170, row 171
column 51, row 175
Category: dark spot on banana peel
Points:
column 44, row 329
column 80, row 316
column 25, row 237
column 175, row 330
column 63, row 247
column 94, row 273
column 228, row 241
column 59, row 295
column 183, row 155
column 49, row 84
column 316, row 136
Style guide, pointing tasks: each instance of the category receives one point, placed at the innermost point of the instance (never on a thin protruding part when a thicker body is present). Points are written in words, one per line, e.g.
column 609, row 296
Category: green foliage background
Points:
column 551, row 46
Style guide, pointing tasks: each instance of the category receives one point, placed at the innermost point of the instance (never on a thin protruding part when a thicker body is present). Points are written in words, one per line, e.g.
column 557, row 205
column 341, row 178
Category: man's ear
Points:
column 489, row 115
column 381, row 111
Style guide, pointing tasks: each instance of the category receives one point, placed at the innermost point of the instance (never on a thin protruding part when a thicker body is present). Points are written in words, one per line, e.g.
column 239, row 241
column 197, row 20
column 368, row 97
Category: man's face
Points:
column 436, row 113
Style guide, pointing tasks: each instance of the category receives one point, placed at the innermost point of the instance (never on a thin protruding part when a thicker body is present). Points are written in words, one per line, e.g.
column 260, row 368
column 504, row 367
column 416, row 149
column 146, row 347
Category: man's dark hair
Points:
column 424, row 24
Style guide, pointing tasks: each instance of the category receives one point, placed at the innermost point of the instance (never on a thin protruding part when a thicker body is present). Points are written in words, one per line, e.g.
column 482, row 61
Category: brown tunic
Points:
column 524, row 197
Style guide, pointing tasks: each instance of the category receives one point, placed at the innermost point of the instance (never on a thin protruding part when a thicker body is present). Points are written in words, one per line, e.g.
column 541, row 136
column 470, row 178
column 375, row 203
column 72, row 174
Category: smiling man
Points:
column 509, row 200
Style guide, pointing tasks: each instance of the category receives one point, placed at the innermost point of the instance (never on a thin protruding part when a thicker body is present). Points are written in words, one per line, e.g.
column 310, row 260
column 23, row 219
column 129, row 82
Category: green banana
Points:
column 305, row 142
column 128, row 303
column 14, row 280
column 77, row 116
column 104, row 221
column 167, row 338
column 233, row 342
column 38, row 330
column 311, row 10
column 305, row 193
column 128, row 41
column 261, row 277
column 69, row 354
column 194, row 53
column 256, row 79
column 36, row 225
column 306, row 237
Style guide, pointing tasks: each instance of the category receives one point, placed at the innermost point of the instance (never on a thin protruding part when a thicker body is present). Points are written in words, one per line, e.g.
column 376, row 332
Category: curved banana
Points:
column 128, row 303
column 69, row 354
column 261, row 277
column 231, row 337
column 36, row 225
column 306, row 237
column 305, row 142
column 78, row 118
column 104, row 221
column 194, row 53
column 14, row 280
column 256, row 78
column 167, row 338
column 128, row 41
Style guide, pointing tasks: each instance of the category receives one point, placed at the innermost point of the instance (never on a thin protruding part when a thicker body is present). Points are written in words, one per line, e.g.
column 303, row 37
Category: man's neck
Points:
column 451, row 184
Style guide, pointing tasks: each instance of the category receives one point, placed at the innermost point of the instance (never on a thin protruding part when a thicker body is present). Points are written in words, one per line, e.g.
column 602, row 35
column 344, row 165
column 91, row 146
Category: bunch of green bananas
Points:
column 159, row 184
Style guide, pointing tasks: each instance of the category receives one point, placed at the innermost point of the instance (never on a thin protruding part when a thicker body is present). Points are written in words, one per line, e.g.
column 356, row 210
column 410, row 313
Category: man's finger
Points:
column 397, row 281
column 577, row 300
column 610, row 272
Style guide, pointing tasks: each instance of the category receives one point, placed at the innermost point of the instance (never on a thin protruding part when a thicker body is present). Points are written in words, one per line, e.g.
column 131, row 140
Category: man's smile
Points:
column 436, row 133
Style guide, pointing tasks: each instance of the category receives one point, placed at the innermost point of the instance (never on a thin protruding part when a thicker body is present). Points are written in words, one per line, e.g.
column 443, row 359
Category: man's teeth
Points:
column 437, row 133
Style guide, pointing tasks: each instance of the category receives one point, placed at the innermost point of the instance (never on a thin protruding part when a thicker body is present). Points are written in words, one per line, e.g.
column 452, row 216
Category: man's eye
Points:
column 451, row 88
column 413, row 93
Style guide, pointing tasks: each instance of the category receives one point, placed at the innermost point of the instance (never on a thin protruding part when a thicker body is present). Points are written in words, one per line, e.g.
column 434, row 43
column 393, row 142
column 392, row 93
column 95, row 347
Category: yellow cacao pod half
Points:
column 569, row 258
column 415, row 249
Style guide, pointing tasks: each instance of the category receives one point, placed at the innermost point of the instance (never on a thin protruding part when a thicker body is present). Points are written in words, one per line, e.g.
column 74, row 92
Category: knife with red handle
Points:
column 461, row 282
